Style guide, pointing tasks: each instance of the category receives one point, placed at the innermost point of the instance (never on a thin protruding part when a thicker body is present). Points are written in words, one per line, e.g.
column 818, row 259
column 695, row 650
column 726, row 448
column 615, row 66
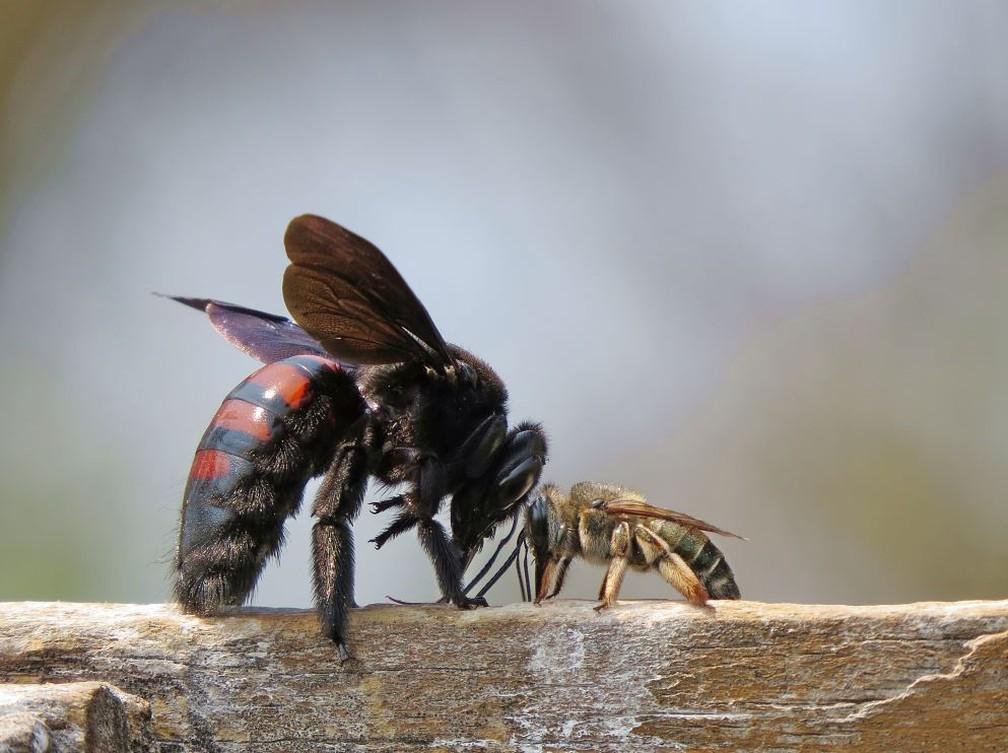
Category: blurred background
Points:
column 749, row 259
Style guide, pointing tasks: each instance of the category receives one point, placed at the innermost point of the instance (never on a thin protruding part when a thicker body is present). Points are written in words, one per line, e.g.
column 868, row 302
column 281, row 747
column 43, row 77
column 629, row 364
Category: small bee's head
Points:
column 537, row 526
column 544, row 534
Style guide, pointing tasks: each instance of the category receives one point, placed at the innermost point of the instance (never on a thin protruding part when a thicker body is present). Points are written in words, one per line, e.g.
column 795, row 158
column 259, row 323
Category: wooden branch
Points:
column 72, row 716
column 644, row 676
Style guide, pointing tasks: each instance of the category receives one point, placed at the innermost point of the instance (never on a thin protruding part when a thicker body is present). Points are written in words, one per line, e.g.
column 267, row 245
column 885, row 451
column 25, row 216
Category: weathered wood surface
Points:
column 71, row 716
column 645, row 676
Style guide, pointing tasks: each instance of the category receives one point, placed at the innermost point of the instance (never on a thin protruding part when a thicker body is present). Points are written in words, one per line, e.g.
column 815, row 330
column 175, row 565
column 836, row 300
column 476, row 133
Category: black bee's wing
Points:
column 344, row 292
column 267, row 337
column 637, row 507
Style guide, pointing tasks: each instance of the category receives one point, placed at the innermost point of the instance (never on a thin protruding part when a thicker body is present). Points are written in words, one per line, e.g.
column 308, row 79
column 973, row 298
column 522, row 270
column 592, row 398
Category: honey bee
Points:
column 611, row 525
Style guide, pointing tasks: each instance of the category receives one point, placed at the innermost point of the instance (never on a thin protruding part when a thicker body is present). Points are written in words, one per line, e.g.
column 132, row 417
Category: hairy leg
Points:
column 336, row 505
column 619, row 548
column 561, row 573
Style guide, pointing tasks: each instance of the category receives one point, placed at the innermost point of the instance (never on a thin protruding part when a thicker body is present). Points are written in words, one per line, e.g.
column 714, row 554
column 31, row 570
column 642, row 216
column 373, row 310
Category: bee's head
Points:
column 537, row 525
column 541, row 532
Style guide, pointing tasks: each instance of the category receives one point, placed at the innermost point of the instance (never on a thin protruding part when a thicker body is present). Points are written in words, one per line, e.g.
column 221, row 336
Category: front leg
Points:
column 561, row 573
column 420, row 505
column 444, row 555
column 619, row 548
column 447, row 562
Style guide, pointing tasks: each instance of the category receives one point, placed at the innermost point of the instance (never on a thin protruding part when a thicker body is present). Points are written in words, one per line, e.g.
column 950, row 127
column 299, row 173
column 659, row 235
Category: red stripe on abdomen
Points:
column 286, row 381
column 210, row 464
column 239, row 415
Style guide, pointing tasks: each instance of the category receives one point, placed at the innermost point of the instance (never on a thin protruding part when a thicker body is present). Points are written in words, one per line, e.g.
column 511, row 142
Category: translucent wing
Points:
column 645, row 510
column 349, row 296
column 267, row 337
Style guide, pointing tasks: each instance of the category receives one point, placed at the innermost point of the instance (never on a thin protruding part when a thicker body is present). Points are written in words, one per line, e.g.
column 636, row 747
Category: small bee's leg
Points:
column 650, row 544
column 561, row 573
column 675, row 570
column 672, row 567
column 544, row 577
column 619, row 547
column 337, row 503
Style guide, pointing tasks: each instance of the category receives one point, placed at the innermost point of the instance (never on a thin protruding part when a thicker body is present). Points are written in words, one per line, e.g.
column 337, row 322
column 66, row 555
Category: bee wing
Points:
column 349, row 296
column 637, row 507
column 267, row 337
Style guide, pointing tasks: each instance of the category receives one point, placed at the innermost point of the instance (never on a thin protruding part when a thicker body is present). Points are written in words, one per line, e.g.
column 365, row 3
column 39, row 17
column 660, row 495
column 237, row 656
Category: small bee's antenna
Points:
column 513, row 557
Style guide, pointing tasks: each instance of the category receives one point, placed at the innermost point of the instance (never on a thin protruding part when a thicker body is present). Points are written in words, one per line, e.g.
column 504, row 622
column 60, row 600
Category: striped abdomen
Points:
column 273, row 432
column 703, row 558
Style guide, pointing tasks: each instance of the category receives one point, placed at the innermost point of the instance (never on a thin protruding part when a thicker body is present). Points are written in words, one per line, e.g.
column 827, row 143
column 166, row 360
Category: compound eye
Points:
column 538, row 525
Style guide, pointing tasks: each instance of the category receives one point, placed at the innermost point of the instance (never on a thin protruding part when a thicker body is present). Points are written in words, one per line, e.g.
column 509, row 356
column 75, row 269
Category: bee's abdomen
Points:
column 258, row 417
column 709, row 564
column 272, row 433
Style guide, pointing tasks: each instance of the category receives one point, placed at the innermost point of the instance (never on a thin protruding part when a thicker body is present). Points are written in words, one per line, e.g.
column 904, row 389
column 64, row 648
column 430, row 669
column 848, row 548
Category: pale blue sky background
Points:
column 749, row 259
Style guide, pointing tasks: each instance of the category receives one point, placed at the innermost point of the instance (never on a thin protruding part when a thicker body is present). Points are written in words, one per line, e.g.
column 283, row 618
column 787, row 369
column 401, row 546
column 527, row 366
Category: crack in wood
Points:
column 917, row 685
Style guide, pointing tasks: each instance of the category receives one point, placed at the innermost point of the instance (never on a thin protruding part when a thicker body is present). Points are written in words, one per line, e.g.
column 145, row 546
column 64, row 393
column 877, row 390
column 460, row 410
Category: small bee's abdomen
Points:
column 706, row 560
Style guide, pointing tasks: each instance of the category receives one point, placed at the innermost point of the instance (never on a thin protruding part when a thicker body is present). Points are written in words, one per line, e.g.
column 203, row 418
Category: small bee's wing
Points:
column 267, row 337
column 344, row 292
column 637, row 507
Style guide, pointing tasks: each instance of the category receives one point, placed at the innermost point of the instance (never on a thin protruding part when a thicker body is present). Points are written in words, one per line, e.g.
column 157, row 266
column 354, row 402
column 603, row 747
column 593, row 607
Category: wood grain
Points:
column 646, row 676
column 71, row 716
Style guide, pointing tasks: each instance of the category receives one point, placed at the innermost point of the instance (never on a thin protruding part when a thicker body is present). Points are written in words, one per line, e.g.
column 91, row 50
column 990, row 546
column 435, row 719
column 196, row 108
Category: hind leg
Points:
column 675, row 570
column 336, row 505
column 672, row 567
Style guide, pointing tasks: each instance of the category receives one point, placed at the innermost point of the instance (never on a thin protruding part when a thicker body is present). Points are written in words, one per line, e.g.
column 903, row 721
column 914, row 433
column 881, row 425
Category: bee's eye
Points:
column 538, row 523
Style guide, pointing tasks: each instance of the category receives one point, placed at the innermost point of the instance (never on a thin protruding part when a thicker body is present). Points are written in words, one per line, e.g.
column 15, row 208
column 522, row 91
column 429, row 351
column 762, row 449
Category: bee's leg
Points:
column 419, row 513
column 675, row 570
column 544, row 576
column 619, row 548
column 447, row 562
column 423, row 503
column 337, row 503
column 561, row 573
column 672, row 567
column 652, row 546
column 397, row 501
column 404, row 521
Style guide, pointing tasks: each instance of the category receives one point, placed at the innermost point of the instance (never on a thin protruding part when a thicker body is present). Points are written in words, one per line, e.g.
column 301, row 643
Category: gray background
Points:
column 747, row 258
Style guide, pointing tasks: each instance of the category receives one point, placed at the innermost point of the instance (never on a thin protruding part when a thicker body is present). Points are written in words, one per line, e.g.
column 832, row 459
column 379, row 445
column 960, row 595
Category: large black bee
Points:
column 364, row 387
